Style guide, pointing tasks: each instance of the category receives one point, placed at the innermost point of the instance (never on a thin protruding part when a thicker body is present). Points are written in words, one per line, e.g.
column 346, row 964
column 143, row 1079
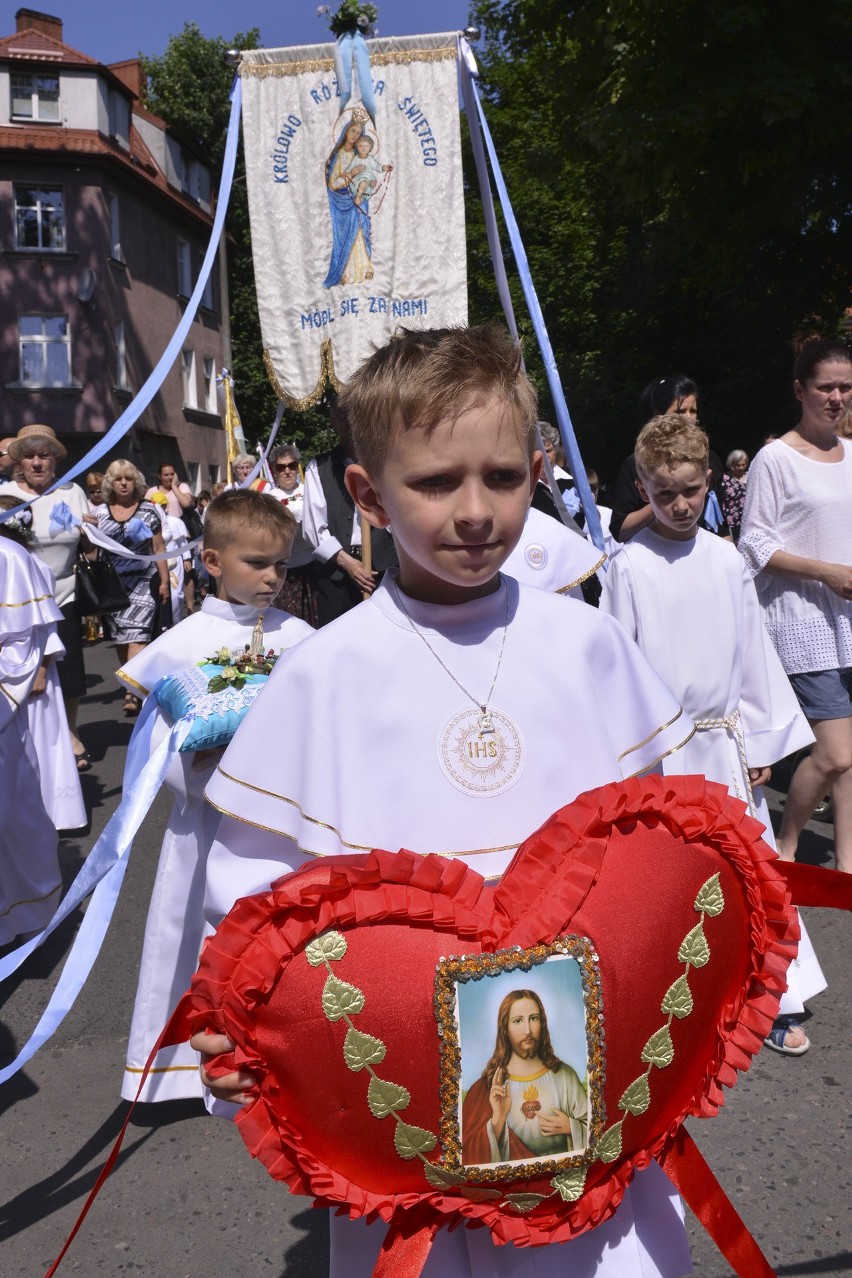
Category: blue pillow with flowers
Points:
column 215, row 695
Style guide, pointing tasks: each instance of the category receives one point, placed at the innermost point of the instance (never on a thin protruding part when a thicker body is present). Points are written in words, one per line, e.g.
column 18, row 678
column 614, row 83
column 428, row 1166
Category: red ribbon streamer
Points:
column 177, row 1031
column 685, row 1167
column 812, row 885
column 406, row 1248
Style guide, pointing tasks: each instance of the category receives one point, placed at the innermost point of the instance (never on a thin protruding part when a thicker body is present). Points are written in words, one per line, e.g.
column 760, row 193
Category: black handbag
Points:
column 97, row 587
column 192, row 523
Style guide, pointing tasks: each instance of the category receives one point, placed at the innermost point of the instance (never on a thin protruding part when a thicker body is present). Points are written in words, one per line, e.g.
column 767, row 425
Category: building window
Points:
column 35, row 97
column 190, row 399
column 184, row 268
column 207, row 297
column 114, row 228
column 210, row 384
column 118, row 111
column 45, row 346
column 121, row 382
column 39, row 218
column 193, row 471
column 214, row 474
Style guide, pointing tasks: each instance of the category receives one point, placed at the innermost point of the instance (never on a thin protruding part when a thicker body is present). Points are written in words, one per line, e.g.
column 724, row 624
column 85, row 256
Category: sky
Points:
column 111, row 32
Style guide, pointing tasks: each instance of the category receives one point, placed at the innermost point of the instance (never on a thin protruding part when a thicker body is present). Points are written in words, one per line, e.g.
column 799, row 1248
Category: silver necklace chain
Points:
column 486, row 723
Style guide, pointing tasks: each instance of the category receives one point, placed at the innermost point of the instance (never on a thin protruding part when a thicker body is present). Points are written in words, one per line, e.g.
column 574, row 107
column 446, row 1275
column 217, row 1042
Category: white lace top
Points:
column 803, row 506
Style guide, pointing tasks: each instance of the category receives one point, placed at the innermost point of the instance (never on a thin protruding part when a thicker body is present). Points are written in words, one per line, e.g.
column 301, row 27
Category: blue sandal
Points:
column 777, row 1037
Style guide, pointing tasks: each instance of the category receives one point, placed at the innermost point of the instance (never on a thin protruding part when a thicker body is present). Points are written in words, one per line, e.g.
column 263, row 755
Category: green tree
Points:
column 189, row 87
column 681, row 175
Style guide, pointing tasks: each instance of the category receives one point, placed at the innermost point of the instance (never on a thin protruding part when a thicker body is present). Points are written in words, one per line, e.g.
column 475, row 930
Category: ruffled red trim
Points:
column 244, row 960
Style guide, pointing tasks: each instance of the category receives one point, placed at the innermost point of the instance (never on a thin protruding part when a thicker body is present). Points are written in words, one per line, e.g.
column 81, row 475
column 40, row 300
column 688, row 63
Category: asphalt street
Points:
column 186, row 1199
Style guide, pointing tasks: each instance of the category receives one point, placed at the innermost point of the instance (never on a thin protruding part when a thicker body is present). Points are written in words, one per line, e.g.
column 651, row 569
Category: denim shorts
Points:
column 824, row 694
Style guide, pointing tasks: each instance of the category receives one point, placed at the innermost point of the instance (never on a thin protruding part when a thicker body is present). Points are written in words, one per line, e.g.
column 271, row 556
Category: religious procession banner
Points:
column 357, row 214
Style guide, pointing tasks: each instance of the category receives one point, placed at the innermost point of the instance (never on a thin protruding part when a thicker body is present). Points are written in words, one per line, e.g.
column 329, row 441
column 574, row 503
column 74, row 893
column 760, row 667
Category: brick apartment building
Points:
column 105, row 215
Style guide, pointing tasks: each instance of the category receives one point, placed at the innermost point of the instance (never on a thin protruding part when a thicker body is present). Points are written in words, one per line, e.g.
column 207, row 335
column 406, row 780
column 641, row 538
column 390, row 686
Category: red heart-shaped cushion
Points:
column 331, row 986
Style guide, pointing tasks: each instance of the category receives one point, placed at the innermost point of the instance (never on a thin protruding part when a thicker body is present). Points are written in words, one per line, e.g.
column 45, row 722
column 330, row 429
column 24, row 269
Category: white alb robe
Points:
column 175, row 537
column 58, row 771
column 30, row 881
column 552, row 557
column 365, row 771
column 174, row 928
column 692, row 608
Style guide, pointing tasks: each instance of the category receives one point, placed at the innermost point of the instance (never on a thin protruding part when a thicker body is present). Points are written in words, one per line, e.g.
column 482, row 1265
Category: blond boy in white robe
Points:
column 247, row 539
column 430, row 716
column 688, row 600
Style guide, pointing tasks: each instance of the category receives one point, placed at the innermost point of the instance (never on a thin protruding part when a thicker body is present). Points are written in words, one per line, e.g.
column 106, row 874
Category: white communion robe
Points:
column 174, row 928
column 552, row 557
column 380, row 762
column 692, row 608
column 30, row 881
column 57, row 766
column 175, row 537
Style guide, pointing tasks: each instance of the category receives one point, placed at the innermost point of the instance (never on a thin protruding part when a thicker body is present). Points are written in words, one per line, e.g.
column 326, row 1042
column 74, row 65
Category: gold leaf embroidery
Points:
column 678, row 998
column 694, row 949
column 361, row 1050
column 440, row 1177
column 385, row 1098
column 411, row 1141
column 637, row 1097
column 326, row 948
column 710, row 899
column 570, row 1184
column 609, row 1145
column 659, row 1049
column 524, row 1202
column 340, row 999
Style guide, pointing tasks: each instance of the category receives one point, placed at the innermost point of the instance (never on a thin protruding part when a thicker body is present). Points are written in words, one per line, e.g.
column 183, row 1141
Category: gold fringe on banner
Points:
column 263, row 70
column 327, row 377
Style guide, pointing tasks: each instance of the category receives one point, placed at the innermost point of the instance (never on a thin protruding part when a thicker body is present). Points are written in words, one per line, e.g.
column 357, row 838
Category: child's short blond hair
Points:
column 239, row 509
column 667, row 441
column 418, row 379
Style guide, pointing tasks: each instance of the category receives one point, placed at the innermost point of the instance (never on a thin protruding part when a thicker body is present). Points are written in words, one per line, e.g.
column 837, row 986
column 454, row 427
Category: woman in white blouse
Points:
column 797, row 539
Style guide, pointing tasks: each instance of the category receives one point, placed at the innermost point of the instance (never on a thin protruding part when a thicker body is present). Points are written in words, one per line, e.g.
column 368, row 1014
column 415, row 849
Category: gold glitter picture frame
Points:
column 473, row 1009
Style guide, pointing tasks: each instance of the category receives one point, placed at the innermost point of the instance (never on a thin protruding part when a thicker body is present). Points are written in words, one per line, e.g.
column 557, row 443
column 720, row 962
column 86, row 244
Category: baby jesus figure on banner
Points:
column 366, row 172
column 352, row 174
column 527, row 1103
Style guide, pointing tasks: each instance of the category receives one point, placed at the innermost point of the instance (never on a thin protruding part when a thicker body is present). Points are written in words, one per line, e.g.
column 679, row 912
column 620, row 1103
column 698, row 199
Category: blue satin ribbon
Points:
column 135, row 409
column 351, row 48
column 103, row 870
column 137, row 531
column 563, row 417
column 62, row 519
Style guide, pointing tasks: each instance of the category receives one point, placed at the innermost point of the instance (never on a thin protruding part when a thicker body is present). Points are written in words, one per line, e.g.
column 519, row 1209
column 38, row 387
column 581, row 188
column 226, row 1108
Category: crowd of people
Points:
column 719, row 631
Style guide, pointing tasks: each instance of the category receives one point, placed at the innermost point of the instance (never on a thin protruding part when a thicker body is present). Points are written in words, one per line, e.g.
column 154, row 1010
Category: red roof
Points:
column 61, row 141
column 34, row 46
column 37, row 46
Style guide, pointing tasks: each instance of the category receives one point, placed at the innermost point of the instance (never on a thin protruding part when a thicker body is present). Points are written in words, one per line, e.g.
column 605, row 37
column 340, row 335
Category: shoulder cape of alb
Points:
column 551, row 556
column 344, row 750
column 26, row 591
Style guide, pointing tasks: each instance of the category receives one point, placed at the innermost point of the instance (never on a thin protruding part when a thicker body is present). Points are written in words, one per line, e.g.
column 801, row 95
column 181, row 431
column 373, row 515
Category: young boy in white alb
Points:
column 688, row 600
column 392, row 700
column 247, row 539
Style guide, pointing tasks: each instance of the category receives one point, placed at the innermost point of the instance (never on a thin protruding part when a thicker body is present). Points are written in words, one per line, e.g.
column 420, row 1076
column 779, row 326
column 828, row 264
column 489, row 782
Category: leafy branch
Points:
column 340, row 1002
column 678, row 1003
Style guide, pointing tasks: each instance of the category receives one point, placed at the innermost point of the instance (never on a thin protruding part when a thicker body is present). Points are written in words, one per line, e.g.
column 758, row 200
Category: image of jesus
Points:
column 527, row 1102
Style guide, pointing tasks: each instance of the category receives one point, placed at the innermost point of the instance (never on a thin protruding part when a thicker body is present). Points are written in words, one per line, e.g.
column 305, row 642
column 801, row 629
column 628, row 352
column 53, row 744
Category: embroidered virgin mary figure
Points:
column 351, row 244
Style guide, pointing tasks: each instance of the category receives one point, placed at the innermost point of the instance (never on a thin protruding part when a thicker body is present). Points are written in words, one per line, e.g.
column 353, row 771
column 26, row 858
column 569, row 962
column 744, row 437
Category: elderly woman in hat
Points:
column 57, row 517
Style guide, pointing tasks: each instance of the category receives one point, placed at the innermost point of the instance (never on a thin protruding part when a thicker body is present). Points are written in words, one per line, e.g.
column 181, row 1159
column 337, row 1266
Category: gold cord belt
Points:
column 733, row 725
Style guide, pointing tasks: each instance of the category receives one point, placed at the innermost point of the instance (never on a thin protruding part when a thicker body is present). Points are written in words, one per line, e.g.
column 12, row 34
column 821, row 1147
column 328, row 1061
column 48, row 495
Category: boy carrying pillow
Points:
column 450, row 713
